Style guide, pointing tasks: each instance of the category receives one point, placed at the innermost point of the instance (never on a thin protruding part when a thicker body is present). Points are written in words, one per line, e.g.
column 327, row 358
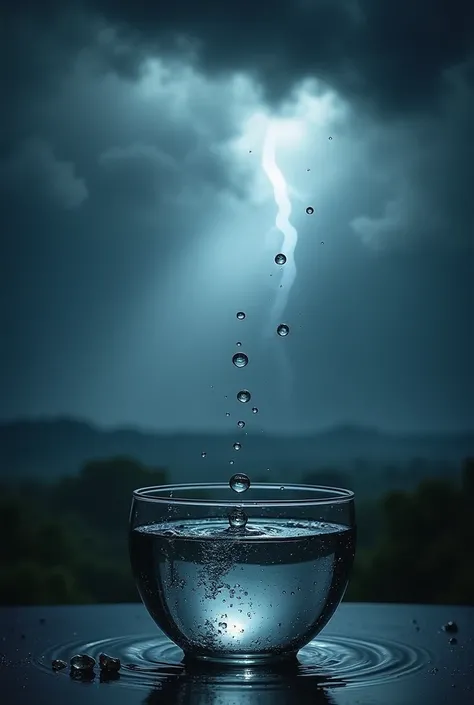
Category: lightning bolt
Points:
column 282, row 222
column 290, row 240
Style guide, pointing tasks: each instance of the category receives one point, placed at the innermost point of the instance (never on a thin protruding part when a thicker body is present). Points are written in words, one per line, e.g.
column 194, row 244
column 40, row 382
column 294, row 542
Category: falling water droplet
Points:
column 240, row 315
column 330, row 138
column 240, row 359
column 283, row 329
column 241, row 424
column 243, row 396
column 255, row 410
column 322, row 242
column 237, row 446
column 310, row 210
column 239, row 344
column 237, row 518
column 231, row 462
column 239, row 482
column 280, row 258
column 203, row 454
column 227, row 413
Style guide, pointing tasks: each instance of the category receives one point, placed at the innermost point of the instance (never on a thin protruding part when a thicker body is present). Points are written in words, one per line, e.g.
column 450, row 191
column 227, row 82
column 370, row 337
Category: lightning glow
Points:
column 282, row 222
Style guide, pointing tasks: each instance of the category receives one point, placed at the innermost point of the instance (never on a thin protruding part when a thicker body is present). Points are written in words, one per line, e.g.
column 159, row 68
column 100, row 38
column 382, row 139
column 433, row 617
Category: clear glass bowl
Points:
column 241, row 578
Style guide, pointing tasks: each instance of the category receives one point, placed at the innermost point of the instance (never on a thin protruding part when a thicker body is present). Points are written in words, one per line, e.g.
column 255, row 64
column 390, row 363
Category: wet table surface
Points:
column 367, row 654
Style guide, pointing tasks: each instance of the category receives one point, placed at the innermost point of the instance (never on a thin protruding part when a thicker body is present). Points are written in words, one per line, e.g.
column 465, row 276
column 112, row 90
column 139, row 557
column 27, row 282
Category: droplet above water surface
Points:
column 109, row 663
column 283, row 330
column 203, row 454
column 241, row 424
column 240, row 315
column 240, row 359
column 310, row 210
column 237, row 446
column 237, row 518
column 239, row 482
column 254, row 410
column 58, row 664
column 82, row 662
column 280, row 258
column 243, row 396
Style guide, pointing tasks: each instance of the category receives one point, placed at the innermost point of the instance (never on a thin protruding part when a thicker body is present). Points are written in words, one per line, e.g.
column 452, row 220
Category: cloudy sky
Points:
column 137, row 216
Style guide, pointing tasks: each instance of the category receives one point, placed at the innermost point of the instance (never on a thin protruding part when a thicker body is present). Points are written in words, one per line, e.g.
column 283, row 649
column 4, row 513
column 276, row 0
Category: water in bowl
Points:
column 267, row 587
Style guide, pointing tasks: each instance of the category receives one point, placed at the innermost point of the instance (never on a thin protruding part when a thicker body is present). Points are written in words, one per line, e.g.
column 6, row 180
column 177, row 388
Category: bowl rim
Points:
column 164, row 494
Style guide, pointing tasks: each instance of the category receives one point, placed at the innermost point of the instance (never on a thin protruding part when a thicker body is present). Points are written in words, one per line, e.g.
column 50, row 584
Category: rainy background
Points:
column 154, row 160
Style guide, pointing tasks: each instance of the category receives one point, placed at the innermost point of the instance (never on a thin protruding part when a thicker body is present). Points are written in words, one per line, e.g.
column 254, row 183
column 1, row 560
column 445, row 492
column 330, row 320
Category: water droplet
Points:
column 310, row 210
column 280, row 258
column 241, row 424
column 237, row 518
column 243, row 396
column 222, row 625
column 227, row 413
column 237, row 446
column 255, row 410
column 240, row 359
column 450, row 627
column 282, row 488
column 322, row 242
column 453, row 640
column 58, row 664
column 109, row 663
column 231, row 462
column 82, row 662
column 283, row 330
column 239, row 482
column 240, row 315
column 330, row 138
column 239, row 344
column 308, row 169
column 203, row 454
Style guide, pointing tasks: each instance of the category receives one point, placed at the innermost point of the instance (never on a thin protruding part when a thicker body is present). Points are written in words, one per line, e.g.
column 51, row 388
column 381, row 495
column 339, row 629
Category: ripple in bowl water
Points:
column 333, row 661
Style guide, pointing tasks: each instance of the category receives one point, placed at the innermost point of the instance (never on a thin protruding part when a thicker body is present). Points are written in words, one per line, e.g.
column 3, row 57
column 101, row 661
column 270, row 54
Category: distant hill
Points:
column 49, row 449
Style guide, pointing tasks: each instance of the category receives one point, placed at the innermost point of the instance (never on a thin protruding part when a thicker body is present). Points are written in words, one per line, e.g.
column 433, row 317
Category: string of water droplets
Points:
column 239, row 482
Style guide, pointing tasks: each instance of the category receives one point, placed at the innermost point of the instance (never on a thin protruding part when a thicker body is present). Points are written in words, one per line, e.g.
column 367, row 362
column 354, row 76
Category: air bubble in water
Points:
column 203, row 454
column 239, row 344
column 241, row 424
column 231, row 462
column 330, row 138
column 237, row 518
column 240, row 359
column 237, row 446
column 243, row 396
column 280, row 258
column 310, row 210
column 222, row 625
column 227, row 413
column 283, row 329
column 239, row 482
column 240, row 315
column 254, row 410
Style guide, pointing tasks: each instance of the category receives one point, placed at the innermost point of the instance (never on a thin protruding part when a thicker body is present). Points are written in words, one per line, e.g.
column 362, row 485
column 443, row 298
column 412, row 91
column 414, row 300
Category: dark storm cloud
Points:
column 391, row 53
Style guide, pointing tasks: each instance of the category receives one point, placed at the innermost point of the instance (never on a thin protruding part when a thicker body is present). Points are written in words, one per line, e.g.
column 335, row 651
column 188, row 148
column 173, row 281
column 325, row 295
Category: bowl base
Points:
column 240, row 659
